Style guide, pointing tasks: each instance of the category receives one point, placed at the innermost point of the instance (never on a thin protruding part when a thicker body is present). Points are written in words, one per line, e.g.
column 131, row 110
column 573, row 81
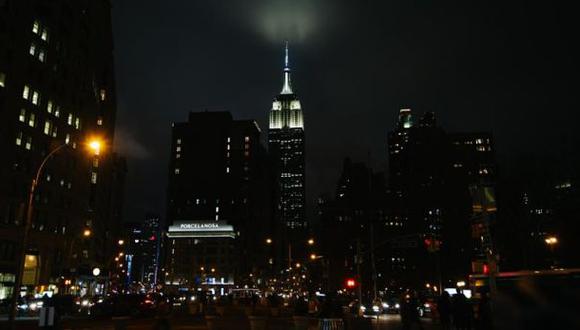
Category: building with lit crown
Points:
column 286, row 146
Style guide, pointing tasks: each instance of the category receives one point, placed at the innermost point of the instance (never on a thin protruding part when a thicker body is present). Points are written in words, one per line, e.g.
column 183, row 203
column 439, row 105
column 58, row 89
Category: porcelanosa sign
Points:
column 199, row 226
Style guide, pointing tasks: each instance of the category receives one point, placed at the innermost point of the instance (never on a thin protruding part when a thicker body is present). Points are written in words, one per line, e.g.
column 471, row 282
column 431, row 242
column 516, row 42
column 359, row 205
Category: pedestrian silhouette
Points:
column 444, row 309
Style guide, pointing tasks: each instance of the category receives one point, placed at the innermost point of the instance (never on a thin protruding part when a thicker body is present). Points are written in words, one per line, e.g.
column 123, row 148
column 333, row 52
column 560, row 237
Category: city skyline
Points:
column 288, row 164
column 477, row 68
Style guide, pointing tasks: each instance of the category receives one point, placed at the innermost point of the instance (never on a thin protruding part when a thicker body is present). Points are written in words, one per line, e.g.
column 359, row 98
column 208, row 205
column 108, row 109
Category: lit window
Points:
column 32, row 49
column 44, row 35
column 35, row 98
column 103, row 94
column 57, row 112
column 28, row 143
column 178, row 141
column 178, row 148
column 96, row 162
column 227, row 170
column 54, row 129
column 22, row 117
column 49, row 107
column 94, row 178
column 247, row 139
column 67, row 139
column 41, row 56
column 176, row 170
column 177, row 156
column 36, row 27
column 100, row 121
column 229, row 139
column 69, row 119
column 19, row 139
column 2, row 79
column 47, row 125
column 77, row 123
column 31, row 120
column 26, row 92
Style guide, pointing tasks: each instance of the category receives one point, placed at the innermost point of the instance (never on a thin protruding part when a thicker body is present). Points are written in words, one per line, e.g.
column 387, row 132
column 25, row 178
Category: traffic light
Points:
column 350, row 283
column 432, row 244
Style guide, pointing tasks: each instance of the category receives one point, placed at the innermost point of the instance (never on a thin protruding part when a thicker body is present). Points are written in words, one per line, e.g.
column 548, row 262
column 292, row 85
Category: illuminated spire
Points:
column 287, row 88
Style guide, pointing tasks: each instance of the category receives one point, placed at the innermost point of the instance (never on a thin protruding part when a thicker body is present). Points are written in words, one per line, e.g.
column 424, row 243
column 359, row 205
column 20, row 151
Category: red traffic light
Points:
column 350, row 283
column 485, row 269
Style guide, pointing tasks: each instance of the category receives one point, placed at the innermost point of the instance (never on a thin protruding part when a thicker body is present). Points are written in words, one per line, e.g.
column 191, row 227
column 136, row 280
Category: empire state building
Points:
column 286, row 144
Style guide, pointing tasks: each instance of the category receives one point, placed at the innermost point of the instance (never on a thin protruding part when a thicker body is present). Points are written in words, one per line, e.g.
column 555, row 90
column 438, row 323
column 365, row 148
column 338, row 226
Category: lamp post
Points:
column 551, row 242
column 94, row 145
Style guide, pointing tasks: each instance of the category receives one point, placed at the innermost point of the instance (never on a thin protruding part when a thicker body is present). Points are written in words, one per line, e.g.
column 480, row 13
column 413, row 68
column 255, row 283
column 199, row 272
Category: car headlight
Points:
column 385, row 305
column 32, row 306
column 426, row 305
column 363, row 308
column 85, row 303
column 397, row 306
column 376, row 308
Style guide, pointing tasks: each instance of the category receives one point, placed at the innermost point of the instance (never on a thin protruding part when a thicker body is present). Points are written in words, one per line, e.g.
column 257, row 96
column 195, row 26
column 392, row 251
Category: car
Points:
column 124, row 305
column 391, row 306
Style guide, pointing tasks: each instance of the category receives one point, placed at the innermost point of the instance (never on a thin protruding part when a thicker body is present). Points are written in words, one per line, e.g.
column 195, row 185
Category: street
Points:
column 177, row 322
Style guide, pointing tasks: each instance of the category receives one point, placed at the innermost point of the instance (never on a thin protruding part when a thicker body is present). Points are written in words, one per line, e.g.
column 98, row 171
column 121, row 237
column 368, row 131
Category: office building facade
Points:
column 57, row 88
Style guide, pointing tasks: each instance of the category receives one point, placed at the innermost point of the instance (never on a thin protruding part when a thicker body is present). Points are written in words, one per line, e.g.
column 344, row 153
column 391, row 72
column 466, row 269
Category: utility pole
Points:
column 358, row 262
column 373, row 263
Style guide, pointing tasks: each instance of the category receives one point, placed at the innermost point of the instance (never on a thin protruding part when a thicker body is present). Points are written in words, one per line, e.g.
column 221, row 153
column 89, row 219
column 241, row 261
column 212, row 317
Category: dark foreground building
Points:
column 219, row 172
column 57, row 87
column 435, row 183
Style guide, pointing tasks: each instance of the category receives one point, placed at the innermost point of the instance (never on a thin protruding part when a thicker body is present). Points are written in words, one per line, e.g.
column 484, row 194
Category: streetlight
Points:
column 121, row 242
column 551, row 241
column 311, row 241
column 268, row 241
column 87, row 232
column 95, row 146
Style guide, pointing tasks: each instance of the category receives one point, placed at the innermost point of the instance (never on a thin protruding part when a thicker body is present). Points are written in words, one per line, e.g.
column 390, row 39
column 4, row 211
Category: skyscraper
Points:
column 57, row 88
column 286, row 146
column 217, row 177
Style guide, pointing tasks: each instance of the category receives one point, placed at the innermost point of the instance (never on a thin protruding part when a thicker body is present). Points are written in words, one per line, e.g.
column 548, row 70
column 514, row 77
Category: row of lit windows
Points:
column 2, row 79
column 34, row 97
column 31, row 95
column 37, row 52
column 21, row 141
column 40, row 30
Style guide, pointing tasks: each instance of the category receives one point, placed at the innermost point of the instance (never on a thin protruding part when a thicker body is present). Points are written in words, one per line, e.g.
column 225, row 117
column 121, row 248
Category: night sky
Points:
column 509, row 68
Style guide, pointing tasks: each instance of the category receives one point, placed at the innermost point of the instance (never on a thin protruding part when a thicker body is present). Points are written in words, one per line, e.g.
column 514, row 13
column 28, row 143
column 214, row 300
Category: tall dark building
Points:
column 218, row 173
column 143, row 249
column 345, row 223
column 57, row 87
column 286, row 148
column 432, row 178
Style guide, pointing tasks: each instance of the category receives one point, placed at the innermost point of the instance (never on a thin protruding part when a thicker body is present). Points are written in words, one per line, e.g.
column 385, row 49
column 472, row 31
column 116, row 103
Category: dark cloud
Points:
column 507, row 67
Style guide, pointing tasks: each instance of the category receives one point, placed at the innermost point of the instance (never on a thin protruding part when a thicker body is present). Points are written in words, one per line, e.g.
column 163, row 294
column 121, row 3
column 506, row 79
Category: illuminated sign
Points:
column 201, row 229
column 199, row 226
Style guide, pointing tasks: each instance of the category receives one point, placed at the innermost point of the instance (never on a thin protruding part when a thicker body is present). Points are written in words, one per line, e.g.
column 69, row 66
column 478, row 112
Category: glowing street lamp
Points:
column 121, row 242
column 95, row 146
column 551, row 240
column 311, row 241
column 268, row 241
column 87, row 232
